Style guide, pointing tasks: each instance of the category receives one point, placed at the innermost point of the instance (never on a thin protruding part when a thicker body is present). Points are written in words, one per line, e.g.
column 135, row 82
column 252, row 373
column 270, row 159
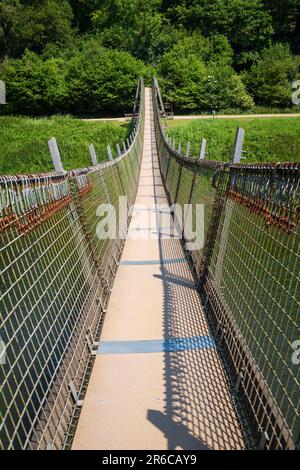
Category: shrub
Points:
column 197, row 75
column 92, row 80
column 34, row 86
column 102, row 80
column 270, row 79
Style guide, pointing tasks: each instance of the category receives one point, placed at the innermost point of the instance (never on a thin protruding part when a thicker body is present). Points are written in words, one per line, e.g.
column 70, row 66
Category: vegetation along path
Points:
column 208, row 116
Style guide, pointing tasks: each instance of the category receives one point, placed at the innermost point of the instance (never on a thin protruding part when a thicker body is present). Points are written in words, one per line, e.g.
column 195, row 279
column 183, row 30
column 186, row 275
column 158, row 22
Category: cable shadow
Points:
column 177, row 281
column 178, row 435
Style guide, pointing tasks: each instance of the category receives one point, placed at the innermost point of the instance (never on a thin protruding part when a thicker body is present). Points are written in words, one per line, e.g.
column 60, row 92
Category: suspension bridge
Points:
column 138, row 341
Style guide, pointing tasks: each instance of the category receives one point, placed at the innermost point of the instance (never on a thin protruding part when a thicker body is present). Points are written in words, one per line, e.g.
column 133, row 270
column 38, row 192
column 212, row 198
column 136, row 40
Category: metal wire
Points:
column 55, row 281
column 57, row 275
column 248, row 276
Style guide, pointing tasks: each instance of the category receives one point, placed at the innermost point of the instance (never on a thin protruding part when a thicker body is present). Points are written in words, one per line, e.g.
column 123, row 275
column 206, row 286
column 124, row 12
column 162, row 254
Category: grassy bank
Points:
column 24, row 142
column 267, row 140
column 237, row 111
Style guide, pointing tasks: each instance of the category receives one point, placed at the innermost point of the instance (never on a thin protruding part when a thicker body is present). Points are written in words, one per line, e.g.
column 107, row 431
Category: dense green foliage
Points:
column 266, row 139
column 33, row 25
column 269, row 79
column 198, row 75
column 246, row 23
column 84, row 56
column 24, row 147
column 93, row 80
column 286, row 21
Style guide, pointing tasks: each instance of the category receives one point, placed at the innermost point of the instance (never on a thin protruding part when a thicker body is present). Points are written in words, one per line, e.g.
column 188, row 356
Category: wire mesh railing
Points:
column 56, row 278
column 248, row 275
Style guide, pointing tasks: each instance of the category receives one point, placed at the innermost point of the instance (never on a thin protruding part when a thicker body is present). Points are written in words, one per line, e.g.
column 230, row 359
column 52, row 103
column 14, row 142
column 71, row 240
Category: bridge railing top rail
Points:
column 246, row 167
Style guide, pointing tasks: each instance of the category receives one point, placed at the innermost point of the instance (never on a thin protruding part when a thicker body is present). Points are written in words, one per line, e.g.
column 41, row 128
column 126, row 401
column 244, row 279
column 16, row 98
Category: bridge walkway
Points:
column 157, row 382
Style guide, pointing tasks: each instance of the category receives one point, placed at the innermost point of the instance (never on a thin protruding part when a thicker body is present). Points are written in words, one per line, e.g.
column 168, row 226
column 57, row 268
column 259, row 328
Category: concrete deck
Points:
column 158, row 382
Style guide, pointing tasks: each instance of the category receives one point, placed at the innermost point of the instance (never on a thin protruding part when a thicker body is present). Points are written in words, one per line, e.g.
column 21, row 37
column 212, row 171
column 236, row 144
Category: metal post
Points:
column 178, row 184
column 239, row 379
column 130, row 163
column 264, row 438
column 190, row 200
column 202, row 149
column 158, row 94
column 188, row 147
column 221, row 338
column 109, row 153
column 179, row 147
column 56, row 159
column 90, row 345
column 127, row 159
column 118, row 150
column 110, row 157
column 236, row 156
column 168, row 167
column 137, row 96
column 74, row 394
column 93, row 154
column 238, row 145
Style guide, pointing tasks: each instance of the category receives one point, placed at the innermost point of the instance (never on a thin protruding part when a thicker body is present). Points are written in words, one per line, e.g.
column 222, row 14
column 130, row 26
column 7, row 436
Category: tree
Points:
column 270, row 79
column 214, row 48
column 33, row 25
column 126, row 13
column 101, row 80
column 10, row 30
column 225, row 89
column 135, row 26
column 198, row 47
column 82, row 11
column 197, row 75
column 286, row 21
column 245, row 23
column 93, row 80
column 35, row 86
column 183, row 80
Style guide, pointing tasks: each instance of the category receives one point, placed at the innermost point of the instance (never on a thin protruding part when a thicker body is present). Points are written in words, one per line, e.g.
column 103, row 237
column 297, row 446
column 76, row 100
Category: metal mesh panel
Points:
column 255, row 270
column 56, row 277
column 248, row 275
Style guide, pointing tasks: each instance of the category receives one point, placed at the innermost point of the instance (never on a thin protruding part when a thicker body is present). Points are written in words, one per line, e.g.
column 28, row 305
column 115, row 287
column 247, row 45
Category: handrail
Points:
column 159, row 115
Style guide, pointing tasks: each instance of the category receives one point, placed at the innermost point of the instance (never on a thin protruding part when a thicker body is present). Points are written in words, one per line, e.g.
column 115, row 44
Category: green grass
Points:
column 267, row 139
column 263, row 110
column 237, row 111
column 24, row 142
